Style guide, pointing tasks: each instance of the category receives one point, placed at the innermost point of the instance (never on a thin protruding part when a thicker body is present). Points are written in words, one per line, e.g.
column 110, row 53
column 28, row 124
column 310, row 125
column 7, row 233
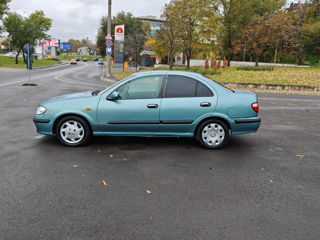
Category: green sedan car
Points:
column 154, row 103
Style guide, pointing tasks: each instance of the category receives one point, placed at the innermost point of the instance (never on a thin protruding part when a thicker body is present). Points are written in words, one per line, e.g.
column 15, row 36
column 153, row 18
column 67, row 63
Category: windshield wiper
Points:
column 95, row 93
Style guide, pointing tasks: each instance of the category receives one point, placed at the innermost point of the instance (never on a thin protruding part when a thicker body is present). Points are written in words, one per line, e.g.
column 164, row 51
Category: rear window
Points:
column 181, row 86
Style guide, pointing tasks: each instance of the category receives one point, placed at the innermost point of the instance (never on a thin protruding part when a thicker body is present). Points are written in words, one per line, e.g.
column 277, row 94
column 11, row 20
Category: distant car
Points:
column 100, row 62
column 95, row 59
column 53, row 59
column 77, row 59
column 156, row 103
column 85, row 59
column 73, row 61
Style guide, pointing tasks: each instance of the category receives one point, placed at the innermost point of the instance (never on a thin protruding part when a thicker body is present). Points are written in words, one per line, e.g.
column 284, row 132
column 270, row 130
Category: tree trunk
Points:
column 188, row 58
column 275, row 55
column 18, row 55
column 257, row 61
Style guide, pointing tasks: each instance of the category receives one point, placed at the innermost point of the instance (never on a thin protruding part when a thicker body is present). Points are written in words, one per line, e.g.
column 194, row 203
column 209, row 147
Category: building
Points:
column 149, row 57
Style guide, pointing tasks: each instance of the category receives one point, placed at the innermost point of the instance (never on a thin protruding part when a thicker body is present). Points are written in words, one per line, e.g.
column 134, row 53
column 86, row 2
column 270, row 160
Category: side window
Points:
column 141, row 88
column 180, row 86
column 203, row 91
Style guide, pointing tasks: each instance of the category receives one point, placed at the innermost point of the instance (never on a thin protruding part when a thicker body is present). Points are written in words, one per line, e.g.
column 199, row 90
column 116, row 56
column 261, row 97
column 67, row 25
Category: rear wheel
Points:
column 73, row 131
column 213, row 134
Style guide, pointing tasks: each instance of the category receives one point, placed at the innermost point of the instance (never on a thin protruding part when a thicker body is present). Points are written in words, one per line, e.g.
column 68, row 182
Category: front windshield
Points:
column 116, row 83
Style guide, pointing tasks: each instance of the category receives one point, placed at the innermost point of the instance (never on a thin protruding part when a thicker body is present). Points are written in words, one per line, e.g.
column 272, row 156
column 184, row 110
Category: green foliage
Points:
column 3, row 7
column 9, row 62
column 26, row 30
column 248, row 68
column 135, row 34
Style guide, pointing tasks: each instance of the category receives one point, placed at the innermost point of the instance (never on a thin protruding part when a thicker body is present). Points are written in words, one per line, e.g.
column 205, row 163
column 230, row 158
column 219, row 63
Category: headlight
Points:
column 41, row 110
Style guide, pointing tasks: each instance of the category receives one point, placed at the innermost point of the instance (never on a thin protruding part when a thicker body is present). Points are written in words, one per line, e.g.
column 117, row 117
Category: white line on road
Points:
column 288, row 99
column 5, row 84
column 76, row 82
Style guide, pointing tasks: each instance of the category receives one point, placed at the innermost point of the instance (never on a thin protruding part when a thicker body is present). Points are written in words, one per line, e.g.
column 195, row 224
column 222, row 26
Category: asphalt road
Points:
column 254, row 188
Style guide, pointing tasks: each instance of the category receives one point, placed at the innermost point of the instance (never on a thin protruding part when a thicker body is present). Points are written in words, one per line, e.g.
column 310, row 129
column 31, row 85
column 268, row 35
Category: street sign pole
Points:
column 28, row 62
column 109, row 32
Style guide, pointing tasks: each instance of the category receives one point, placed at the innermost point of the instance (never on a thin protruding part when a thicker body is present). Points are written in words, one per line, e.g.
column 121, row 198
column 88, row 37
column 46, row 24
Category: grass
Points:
column 10, row 62
column 279, row 75
column 245, row 68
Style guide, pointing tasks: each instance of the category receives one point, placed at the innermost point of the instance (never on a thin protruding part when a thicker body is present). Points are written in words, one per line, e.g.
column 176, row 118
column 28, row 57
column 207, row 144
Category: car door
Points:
column 136, row 110
column 185, row 99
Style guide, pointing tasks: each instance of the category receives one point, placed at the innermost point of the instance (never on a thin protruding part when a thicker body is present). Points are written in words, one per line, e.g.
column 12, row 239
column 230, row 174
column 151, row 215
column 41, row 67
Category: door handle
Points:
column 205, row 104
column 152, row 105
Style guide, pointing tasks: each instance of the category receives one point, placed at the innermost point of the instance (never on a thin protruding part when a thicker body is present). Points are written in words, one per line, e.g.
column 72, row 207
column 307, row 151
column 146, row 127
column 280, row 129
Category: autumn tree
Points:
column 24, row 30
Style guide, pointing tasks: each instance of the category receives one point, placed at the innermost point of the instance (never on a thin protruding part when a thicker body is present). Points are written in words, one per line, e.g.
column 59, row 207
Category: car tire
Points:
column 213, row 134
column 73, row 131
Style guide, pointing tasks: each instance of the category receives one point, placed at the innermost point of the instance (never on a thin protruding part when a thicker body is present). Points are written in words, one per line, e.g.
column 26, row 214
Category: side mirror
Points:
column 114, row 96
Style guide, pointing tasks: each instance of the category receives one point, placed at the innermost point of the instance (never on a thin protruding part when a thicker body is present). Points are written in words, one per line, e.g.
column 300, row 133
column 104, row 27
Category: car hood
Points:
column 77, row 95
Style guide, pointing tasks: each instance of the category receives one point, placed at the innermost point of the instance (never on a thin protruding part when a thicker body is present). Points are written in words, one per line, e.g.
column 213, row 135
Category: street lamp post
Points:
column 109, row 32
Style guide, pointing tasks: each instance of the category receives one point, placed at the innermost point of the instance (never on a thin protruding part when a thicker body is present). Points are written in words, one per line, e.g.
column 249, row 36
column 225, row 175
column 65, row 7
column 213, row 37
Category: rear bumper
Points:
column 245, row 125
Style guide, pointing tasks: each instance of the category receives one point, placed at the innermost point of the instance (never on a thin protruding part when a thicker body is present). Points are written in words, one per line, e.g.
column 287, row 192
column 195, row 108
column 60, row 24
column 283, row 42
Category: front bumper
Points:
column 43, row 126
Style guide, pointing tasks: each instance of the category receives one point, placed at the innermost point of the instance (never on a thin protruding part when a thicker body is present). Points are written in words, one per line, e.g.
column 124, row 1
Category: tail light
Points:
column 255, row 107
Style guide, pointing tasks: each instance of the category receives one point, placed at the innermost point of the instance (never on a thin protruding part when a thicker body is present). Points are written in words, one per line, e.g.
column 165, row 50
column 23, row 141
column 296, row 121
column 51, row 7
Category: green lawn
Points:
column 280, row 75
column 10, row 62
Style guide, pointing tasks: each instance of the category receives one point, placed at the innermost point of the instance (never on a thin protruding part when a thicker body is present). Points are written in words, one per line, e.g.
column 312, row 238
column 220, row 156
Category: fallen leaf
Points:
column 83, row 175
column 111, row 155
column 148, row 191
column 57, row 159
column 75, row 166
column 104, row 183
column 262, row 169
column 99, row 150
column 211, row 168
column 300, row 155
column 125, row 159
column 270, row 181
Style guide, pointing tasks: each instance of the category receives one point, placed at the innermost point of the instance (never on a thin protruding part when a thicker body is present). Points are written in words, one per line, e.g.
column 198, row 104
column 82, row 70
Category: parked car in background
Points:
column 155, row 103
column 95, row 59
column 77, row 59
column 100, row 62
column 85, row 60
column 73, row 61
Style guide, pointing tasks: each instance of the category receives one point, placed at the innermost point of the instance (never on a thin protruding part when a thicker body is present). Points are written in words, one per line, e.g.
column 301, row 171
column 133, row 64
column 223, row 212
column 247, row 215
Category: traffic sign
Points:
column 109, row 43
column 109, row 50
column 108, row 37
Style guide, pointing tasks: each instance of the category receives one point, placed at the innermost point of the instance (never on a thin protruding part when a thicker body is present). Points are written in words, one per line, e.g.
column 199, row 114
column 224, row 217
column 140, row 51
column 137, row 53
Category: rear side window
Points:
column 181, row 86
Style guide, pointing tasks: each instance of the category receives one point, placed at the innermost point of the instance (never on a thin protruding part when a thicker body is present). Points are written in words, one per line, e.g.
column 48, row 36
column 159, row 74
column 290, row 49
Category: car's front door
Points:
column 136, row 110
column 185, row 100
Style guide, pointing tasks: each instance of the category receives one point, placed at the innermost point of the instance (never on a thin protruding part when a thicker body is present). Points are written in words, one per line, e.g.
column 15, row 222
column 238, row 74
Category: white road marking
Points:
column 287, row 99
column 5, row 84
column 76, row 82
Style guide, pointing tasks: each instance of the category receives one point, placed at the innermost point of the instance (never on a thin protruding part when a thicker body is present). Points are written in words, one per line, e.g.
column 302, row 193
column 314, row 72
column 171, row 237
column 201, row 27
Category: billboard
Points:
column 118, row 44
column 50, row 42
column 65, row 46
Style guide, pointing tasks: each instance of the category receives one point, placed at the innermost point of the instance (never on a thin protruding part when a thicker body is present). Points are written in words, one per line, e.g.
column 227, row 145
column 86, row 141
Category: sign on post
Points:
column 118, row 44
column 109, row 50
column 28, row 49
column 109, row 43
column 108, row 37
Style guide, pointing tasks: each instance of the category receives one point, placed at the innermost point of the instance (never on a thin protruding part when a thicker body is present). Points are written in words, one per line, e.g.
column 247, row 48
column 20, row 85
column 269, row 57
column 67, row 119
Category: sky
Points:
column 78, row 19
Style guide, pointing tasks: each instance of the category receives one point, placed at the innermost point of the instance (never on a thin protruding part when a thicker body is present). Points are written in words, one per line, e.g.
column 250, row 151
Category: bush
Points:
column 204, row 71
column 255, row 68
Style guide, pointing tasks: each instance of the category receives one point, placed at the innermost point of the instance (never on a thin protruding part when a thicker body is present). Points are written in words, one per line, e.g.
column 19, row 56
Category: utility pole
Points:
column 109, row 32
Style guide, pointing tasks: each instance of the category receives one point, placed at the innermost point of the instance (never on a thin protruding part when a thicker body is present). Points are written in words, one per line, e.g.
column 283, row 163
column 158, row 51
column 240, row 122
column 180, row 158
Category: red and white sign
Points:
column 50, row 43
column 119, row 33
column 108, row 37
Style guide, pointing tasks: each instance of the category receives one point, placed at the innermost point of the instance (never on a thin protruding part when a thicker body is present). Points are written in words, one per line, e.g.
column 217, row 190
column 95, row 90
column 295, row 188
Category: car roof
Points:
column 169, row 72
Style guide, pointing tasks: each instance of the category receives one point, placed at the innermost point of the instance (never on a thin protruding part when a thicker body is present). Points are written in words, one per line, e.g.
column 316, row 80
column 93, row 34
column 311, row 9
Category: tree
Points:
column 135, row 34
column 75, row 44
column 3, row 7
column 26, row 30
column 310, row 38
column 167, row 38
column 236, row 15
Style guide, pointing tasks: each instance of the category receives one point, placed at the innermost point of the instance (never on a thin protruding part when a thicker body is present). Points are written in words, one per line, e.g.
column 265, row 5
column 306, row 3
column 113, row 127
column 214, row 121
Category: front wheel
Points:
column 73, row 131
column 213, row 134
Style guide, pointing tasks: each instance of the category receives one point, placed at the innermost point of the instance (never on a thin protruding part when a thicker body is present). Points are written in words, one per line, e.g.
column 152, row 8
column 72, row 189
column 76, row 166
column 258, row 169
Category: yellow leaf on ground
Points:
column 262, row 169
column 111, row 155
column 270, row 181
column 300, row 155
column 148, row 191
column 75, row 166
column 125, row 159
column 104, row 183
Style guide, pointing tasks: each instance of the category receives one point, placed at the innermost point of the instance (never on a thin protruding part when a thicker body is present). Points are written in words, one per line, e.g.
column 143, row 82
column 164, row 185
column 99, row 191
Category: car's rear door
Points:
column 185, row 99
column 137, row 110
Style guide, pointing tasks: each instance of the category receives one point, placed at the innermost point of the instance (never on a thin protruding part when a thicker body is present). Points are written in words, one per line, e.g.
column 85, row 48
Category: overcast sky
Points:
column 79, row 19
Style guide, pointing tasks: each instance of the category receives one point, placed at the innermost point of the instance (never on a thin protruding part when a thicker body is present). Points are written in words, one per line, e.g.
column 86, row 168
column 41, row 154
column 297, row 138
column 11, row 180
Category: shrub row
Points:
column 255, row 68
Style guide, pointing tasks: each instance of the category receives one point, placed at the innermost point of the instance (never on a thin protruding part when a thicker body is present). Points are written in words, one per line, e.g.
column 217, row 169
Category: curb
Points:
column 272, row 86
column 108, row 80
